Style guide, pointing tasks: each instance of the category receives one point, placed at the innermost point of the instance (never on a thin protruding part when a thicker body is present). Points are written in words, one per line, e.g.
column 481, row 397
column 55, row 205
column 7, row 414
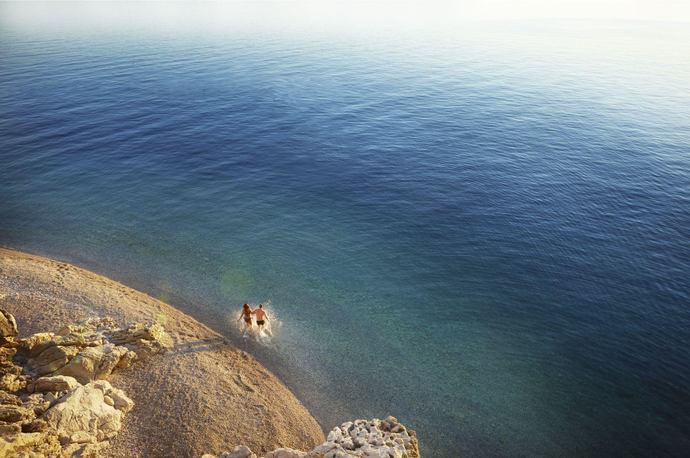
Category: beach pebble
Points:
column 285, row 453
column 241, row 451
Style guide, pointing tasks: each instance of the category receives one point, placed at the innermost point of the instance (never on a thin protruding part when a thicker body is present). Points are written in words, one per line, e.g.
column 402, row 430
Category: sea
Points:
column 480, row 227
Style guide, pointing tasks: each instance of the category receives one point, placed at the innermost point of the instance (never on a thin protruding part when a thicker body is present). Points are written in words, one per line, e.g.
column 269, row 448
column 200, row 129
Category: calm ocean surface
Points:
column 482, row 230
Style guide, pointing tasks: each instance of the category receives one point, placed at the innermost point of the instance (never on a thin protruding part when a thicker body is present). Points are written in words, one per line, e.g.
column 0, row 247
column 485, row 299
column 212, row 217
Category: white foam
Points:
column 264, row 336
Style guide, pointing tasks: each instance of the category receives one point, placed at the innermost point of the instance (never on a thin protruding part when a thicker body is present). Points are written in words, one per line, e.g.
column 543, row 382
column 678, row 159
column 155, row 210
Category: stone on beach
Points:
column 84, row 411
column 285, row 453
column 240, row 451
column 33, row 345
column 12, row 382
column 8, row 325
column 354, row 439
column 14, row 414
column 53, row 384
column 11, row 377
column 369, row 438
column 93, row 363
column 36, row 444
column 51, row 359
column 144, row 339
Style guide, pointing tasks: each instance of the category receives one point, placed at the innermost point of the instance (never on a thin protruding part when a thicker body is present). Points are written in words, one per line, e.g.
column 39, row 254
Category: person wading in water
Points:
column 261, row 318
column 247, row 315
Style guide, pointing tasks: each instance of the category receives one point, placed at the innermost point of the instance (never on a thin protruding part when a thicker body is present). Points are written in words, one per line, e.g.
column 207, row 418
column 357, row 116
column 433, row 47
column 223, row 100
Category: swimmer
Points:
column 247, row 315
column 261, row 318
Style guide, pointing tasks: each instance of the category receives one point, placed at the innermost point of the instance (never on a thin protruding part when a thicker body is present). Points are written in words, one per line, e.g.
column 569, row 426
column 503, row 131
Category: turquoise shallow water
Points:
column 482, row 230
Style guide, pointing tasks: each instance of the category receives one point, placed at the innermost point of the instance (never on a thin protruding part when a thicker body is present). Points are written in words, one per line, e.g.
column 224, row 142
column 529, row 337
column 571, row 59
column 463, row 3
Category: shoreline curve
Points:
column 201, row 396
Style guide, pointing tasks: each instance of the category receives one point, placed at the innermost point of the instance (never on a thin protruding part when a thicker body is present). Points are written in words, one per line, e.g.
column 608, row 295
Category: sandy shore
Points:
column 203, row 396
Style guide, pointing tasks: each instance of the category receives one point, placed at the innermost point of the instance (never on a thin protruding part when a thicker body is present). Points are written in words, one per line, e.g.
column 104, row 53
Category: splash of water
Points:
column 264, row 336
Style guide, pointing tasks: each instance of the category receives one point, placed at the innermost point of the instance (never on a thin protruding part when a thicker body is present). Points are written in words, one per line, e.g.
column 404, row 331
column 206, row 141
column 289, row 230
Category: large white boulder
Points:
column 83, row 415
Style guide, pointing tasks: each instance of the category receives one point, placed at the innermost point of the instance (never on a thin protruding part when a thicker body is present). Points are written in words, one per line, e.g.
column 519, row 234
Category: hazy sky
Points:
column 324, row 16
column 521, row 9
column 415, row 10
column 604, row 9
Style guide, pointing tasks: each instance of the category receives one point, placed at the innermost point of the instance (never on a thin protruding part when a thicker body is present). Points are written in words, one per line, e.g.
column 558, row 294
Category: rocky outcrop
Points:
column 369, row 438
column 53, row 399
column 360, row 438
column 146, row 340
column 90, row 350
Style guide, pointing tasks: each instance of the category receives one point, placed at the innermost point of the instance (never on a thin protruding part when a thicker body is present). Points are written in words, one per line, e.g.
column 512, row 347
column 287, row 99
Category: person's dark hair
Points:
column 261, row 306
column 245, row 306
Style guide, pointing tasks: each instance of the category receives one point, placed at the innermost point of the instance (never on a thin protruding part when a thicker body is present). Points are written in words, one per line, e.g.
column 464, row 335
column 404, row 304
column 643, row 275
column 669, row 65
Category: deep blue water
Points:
column 483, row 230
